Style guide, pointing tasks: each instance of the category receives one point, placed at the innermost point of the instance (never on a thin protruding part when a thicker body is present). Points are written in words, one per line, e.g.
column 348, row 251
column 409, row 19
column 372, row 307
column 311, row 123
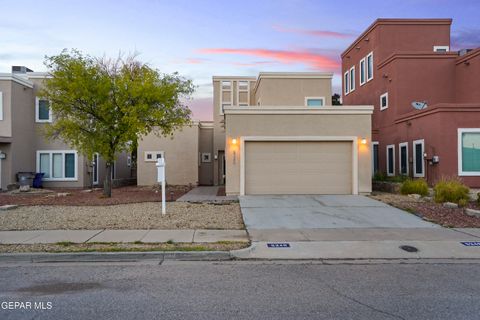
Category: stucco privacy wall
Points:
column 181, row 157
column 341, row 121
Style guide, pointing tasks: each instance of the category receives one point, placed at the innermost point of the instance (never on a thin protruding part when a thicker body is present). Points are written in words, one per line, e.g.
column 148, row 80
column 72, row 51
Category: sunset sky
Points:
column 200, row 39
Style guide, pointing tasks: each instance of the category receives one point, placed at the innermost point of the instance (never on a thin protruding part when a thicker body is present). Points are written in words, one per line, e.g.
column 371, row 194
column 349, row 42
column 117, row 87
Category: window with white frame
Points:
column 403, row 158
column 390, row 160
column 95, row 166
column 469, row 152
column 352, row 79
column 57, row 165
column 42, row 110
column 346, row 85
column 1, row 105
column 369, row 59
column 441, row 48
column 243, row 93
column 418, row 162
column 314, row 101
column 384, row 101
column 206, row 157
column 375, row 156
column 152, row 156
column 362, row 72
column 226, row 95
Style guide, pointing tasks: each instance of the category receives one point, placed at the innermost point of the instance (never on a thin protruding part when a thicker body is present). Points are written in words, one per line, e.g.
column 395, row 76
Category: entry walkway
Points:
column 205, row 194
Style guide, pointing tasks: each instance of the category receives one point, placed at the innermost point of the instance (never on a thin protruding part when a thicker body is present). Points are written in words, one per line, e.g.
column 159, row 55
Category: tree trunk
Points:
column 107, row 184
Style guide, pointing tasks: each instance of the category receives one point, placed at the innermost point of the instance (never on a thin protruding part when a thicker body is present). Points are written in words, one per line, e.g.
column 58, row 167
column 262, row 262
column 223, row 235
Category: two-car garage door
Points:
column 298, row 167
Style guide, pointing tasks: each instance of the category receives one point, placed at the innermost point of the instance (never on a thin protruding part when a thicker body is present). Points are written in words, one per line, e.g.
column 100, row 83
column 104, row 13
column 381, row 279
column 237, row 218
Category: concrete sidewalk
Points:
column 146, row 236
column 205, row 194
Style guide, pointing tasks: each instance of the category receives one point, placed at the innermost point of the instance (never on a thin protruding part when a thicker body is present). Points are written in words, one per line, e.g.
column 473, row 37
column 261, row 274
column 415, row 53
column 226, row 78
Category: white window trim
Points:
column 391, row 146
column 1, row 105
column 436, row 48
column 459, row 152
column 315, row 98
column 352, row 79
column 400, row 145
column 415, row 143
column 346, row 84
column 154, row 155
column 366, row 64
column 37, row 112
column 243, row 104
column 383, row 95
column 373, row 162
column 230, row 103
column 51, row 152
column 364, row 71
column 95, row 176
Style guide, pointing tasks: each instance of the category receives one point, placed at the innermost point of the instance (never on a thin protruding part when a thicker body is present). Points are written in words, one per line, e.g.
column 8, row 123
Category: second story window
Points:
column 370, row 66
column 352, row 79
column 346, row 85
column 362, row 72
column 384, row 101
column 314, row 101
column 42, row 110
column 226, row 94
column 243, row 93
column 441, row 48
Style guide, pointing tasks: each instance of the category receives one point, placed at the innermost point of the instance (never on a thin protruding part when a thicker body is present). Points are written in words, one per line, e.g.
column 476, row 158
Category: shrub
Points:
column 418, row 186
column 462, row 203
column 381, row 176
column 451, row 190
column 478, row 198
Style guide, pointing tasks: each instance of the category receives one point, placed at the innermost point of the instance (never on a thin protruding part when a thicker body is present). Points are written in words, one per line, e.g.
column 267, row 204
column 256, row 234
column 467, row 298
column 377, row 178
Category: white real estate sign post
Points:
column 161, row 179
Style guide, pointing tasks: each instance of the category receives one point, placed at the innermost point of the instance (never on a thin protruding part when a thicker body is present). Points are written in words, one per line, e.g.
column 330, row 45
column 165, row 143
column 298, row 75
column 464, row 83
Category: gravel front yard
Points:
column 431, row 211
column 145, row 215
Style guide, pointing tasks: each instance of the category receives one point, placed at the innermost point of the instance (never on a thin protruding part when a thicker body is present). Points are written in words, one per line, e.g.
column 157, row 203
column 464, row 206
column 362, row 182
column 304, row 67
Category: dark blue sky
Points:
column 204, row 38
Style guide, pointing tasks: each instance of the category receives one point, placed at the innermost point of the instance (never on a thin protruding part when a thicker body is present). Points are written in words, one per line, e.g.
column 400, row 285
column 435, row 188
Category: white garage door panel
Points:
column 287, row 167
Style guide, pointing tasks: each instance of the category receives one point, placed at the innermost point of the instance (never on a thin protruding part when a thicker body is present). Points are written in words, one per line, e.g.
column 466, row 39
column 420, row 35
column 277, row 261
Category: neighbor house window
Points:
column 441, row 48
column 391, row 160
column 469, row 152
column 42, row 110
column 352, row 79
column 243, row 93
column 370, row 66
column 418, row 163
column 314, row 101
column 57, row 165
column 95, row 166
column 403, row 158
column 362, row 72
column 384, row 101
column 152, row 156
column 346, row 85
column 375, row 166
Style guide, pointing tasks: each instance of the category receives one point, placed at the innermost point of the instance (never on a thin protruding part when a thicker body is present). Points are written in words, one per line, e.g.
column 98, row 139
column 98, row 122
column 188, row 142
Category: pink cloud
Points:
column 314, row 60
column 195, row 60
column 202, row 108
column 316, row 33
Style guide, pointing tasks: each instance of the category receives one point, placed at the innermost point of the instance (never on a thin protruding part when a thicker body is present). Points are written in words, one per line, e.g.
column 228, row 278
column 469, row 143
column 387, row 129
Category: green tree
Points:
column 105, row 105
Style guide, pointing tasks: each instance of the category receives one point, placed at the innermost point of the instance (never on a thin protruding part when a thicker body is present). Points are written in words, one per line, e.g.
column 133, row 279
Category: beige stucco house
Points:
column 272, row 134
column 23, row 148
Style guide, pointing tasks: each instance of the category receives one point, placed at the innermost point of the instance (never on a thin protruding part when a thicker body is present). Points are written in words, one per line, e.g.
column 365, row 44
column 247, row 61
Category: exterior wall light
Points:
column 364, row 141
column 234, row 141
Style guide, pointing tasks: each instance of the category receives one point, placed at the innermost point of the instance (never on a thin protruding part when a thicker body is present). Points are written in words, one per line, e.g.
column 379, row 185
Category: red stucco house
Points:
column 398, row 63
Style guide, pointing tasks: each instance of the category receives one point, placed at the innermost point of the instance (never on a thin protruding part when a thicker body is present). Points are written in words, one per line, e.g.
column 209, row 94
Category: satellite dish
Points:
column 419, row 105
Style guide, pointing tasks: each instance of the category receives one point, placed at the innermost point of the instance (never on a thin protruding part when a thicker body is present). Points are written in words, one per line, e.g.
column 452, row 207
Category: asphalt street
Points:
column 240, row 290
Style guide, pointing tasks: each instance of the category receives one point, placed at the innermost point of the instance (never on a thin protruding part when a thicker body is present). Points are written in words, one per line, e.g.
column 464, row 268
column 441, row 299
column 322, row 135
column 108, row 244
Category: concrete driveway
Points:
column 305, row 217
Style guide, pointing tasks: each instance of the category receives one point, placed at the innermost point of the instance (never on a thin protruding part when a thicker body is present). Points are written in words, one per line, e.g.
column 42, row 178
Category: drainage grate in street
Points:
column 278, row 245
column 409, row 248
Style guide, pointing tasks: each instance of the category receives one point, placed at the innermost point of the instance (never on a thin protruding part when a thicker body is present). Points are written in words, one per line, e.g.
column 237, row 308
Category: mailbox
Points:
column 161, row 179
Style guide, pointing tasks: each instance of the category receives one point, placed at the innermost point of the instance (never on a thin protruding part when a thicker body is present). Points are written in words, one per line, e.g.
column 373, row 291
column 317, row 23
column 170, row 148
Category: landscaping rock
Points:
column 450, row 205
column 63, row 194
column 427, row 199
column 473, row 212
column 415, row 196
column 8, row 207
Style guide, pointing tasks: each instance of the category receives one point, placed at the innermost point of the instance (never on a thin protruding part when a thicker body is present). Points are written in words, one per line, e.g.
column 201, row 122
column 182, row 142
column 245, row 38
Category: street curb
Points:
column 116, row 256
